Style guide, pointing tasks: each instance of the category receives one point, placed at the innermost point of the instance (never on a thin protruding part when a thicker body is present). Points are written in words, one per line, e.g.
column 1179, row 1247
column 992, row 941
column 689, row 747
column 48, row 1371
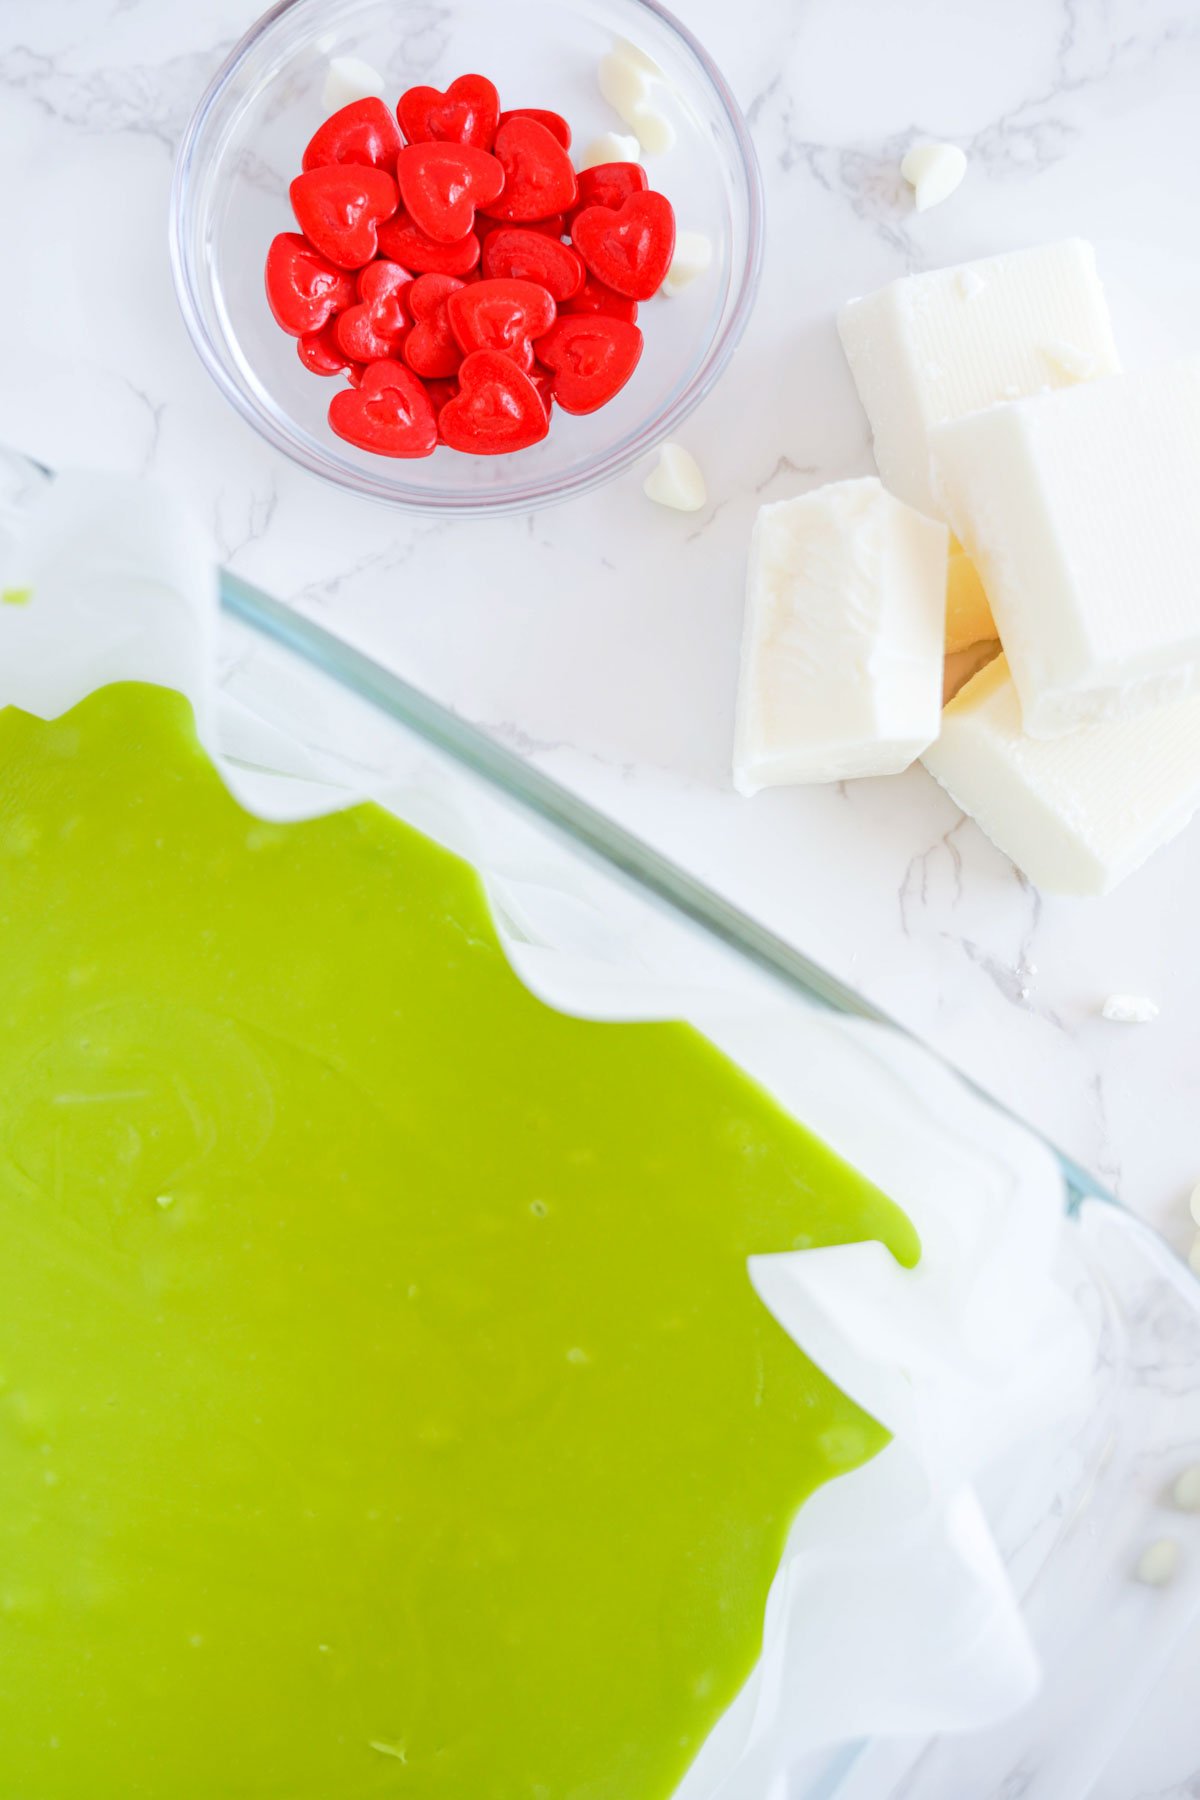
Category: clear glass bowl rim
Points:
column 525, row 496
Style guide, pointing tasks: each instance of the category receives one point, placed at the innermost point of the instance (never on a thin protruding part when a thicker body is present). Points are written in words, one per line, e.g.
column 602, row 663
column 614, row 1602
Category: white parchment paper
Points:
column 891, row 1611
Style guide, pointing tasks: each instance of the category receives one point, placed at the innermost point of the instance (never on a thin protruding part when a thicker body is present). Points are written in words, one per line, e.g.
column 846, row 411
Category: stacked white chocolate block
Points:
column 842, row 656
column 1081, row 513
column 1076, row 813
column 936, row 347
column 1072, row 490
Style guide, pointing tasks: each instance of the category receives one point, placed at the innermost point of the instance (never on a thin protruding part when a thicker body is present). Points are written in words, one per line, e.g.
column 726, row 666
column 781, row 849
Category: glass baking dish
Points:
column 1071, row 1514
column 1072, row 1519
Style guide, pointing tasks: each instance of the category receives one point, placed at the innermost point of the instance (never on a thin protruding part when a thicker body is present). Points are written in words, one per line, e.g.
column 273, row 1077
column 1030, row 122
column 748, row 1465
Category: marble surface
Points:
column 600, row 639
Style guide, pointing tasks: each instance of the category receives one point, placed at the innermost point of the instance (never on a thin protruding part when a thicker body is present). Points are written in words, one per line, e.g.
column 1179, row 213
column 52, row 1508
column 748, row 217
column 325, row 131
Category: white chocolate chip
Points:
column 350, row 78
column 969, row 282
column 1194, row 1203
column 624, row 85
column 693, row 255
column 638, row 57
column 1158, row 1562
column 1129, row 1009
column 676, row 480
column 656, row 134
column 610, row 146
column 1186, row 1491
column 1069, row 360
column 933, row 171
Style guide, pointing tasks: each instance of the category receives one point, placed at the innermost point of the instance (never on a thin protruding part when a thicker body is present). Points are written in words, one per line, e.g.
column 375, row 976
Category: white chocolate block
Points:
column 1129, row 1009
column 842, row 648
column 610, row 146
column 624, row 84
column 638, row 57
column 676, row 480
column 655, row 132
column 1077, row 814
column 1186, row 1489
column 1081, row 512
column 1159, row 1562
column 349, row 78
column 693, row 256
column 932, row 347
column 933, row 171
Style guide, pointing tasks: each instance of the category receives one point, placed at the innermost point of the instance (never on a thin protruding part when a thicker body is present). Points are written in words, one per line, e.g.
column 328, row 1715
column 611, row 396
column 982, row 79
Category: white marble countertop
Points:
column 601, row 638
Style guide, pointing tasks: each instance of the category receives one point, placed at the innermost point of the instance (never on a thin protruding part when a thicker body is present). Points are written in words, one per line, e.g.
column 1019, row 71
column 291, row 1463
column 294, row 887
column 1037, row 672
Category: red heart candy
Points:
column 629, row 247
column 320, row 351
column 591, row 356
column 594, row 297
column 467, row 113
column 538, row 177
column 338, row 208
column 304, row 289
column 442, row 184
column 406, row 243
column 501, row 316
column 515, row 251
column 389, row 412
column 363, row 132
column 376, row 329
column 609, row 184
column 554, row 122
column 431, row 350
column 496, row 410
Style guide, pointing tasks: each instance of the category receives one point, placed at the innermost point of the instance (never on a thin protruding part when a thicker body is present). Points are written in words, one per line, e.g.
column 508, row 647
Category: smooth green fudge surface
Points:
column 384, row 1404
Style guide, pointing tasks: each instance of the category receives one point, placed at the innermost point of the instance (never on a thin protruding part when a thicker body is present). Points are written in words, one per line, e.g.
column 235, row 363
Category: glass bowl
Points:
column 243, row 145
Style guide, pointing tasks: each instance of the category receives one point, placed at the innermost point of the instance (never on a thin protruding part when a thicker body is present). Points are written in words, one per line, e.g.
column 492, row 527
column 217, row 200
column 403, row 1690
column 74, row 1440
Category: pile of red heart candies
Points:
column 461, row 273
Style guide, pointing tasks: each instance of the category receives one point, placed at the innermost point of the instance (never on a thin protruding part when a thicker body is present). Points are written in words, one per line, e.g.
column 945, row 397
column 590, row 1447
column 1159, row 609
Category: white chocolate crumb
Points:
column 1158, row 1562
column 624, row 85
column 1194, row 1203
column 655, row 132
column 933, row 171
column 693, row 256
column 1129, row 1009
column 634, row 54
column 1069, row 360
column 676, row 480
column 969, row 282
column 610, row 146
column 350, row 78
column 1186, row 1490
